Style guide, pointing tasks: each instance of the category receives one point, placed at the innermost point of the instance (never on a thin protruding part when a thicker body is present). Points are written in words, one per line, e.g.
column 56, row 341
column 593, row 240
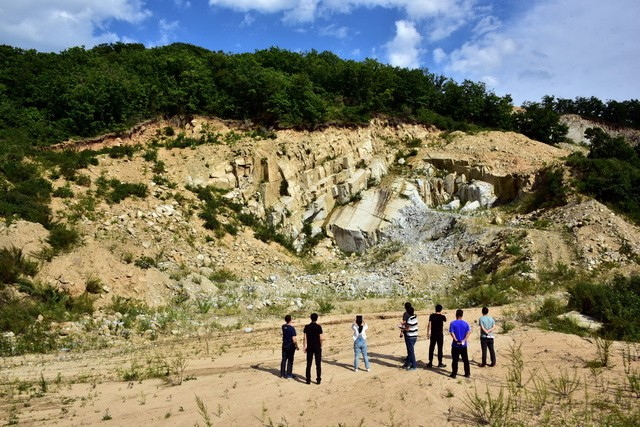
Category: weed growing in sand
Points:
column 134, row 373
column 516, row 365
column 488, row 409
column 107, row 416
column 177, row 366
column 565, row 384
column 325, row 306
column 604, row 351
column 204, row 413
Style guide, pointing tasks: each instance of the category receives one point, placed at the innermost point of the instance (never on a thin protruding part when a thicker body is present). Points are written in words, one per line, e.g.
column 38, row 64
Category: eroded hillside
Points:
column 366, row 189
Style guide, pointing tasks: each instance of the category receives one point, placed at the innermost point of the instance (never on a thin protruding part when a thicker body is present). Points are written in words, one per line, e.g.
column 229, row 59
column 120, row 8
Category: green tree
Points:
column 541, row 123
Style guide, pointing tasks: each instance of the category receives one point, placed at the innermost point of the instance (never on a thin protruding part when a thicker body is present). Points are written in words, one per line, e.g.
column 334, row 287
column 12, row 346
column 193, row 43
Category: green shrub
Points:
column 610, row 181
column 151, row 155
column 223, row 275
column 183, row 141
column 127, row 306
column 120, row 151
column 13, row 265
column 93, row 285
column 21, row 316
column 145, row 262
column 550, row 190
column 83, row 180
column 116, row 191
column 64, row 192
column 159, row 167
column 615, row 304
column 63, row 238
column 122, row 190
column 325, row 306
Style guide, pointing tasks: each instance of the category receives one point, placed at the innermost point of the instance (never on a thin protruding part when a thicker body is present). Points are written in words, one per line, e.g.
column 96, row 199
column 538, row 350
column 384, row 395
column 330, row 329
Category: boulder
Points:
column 581, row 320
column 355, row 227
column 479, row 191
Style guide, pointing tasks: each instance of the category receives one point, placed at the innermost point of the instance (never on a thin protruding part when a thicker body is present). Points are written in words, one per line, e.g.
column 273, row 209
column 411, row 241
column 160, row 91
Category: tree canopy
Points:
column 48, row 97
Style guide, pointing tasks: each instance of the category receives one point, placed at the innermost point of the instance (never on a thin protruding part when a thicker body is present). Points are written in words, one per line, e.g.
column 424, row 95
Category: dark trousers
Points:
column 311, row 354
column 433, row 340
column 286, row 366
column 410, row 342
column 455, row 353
column 487, row 343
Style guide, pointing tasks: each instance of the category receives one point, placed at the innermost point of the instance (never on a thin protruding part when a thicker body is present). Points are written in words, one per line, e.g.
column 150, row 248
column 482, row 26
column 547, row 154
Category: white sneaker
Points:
column 355, row 369
column 368, row 369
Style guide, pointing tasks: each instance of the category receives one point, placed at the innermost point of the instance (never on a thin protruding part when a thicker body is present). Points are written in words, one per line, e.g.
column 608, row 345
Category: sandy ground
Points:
column 235, row 375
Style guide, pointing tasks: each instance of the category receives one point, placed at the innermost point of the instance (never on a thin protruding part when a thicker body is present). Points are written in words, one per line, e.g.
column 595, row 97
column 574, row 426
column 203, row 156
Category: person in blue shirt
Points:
column 460, row 331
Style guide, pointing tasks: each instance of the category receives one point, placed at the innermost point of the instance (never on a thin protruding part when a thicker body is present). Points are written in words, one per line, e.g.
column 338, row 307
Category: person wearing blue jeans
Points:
column 360, row 343
column 410, row 330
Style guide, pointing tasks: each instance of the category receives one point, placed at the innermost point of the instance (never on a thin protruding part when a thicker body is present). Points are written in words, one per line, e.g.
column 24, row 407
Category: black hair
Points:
column 459, row 312
column 287, row 318
column 485, row 310
column 314, row 317
column 411, row 310
column 359, row 323
column 438, row 307
column 407, row 305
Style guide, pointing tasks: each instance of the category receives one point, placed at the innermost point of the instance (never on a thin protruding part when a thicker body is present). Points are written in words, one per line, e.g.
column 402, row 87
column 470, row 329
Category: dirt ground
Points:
column 235, row 378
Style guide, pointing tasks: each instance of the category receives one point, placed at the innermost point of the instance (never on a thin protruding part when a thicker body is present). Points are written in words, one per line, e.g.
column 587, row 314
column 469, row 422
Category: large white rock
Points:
column 356, row 227
column 479, row 191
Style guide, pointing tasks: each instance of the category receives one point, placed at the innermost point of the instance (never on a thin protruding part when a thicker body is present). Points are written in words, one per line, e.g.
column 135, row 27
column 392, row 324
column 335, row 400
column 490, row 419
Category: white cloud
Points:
column 445, row 15
column 304, row 11
column 482, row 56
column 247, row 20
column 334, row 31
column 57, row 25
column 487, row 25
column 566, row 49
column 263, row 6
column 439, row 55
column 404, row 50
column 167, row 32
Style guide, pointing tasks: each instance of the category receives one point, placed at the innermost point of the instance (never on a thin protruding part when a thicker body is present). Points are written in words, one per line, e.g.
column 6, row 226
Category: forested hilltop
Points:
column 46, row 98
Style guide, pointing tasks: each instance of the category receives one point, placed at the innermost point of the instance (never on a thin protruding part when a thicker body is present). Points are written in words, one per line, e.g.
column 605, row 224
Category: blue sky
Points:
column 527, row 49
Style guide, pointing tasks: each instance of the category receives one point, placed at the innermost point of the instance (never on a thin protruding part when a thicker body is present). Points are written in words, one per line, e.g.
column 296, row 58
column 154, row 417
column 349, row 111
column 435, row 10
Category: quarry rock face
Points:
column 335, row 180
column 438, row 210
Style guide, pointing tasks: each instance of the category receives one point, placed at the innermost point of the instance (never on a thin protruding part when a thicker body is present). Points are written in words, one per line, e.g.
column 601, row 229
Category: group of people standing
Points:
column 459, row 330
column 311, row 345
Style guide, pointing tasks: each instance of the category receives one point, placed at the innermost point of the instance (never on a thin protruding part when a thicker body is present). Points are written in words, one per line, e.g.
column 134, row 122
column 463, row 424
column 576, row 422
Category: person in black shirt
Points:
column 312, row 345
column 435, row 335
column 289, row 347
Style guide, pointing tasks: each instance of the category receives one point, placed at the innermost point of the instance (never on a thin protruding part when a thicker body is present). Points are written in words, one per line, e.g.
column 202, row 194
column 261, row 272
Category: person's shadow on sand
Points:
column 276, row 372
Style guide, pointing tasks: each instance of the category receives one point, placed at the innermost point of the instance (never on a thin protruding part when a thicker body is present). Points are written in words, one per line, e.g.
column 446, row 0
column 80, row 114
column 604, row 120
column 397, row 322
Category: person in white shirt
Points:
column 360, row 343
